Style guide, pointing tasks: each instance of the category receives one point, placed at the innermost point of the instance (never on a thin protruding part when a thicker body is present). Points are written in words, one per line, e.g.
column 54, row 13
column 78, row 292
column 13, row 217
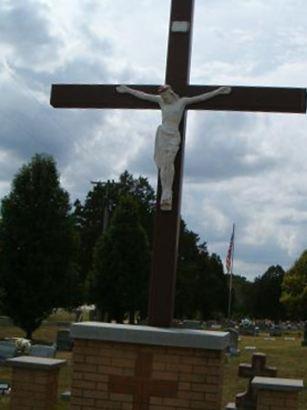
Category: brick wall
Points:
column 111, row 375
column 34, row 389
column 276, row 400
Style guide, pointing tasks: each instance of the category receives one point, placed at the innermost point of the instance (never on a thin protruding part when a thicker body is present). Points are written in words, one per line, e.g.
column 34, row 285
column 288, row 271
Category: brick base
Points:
column 276, row 400
column 34, row 389
column 127, row 376
column 34, row 382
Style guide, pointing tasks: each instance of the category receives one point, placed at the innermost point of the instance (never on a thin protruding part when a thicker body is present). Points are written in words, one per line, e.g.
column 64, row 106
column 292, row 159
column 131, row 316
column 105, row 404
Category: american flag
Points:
column 229, row 257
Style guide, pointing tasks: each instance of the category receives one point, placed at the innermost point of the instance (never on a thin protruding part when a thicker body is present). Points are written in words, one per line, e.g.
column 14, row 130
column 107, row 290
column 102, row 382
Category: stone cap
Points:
column 176, row 337
column 276, row 383
column 32, row 362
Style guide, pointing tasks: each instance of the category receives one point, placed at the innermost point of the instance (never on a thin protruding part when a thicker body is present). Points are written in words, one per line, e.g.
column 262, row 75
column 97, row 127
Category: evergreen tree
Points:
column 121, row 265
column 266, row 295
column 37, row 246
column 212, row 286
column 201, row 289
column 243, row 296
column 294, row 294
column 95, row 215
column 186, row 281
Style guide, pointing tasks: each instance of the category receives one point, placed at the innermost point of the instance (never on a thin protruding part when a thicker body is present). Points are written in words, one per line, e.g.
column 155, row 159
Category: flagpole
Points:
column 230, row 272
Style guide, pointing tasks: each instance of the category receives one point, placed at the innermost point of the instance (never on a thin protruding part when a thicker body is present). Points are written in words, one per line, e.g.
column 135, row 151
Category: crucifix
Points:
column 167, row 221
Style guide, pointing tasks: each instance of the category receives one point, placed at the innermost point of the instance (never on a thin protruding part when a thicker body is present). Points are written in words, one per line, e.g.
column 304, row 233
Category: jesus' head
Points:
column 167, row 94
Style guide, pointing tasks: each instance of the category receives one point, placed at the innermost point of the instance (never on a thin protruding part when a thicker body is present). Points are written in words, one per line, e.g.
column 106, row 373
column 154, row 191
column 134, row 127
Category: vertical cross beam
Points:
column 167, row 224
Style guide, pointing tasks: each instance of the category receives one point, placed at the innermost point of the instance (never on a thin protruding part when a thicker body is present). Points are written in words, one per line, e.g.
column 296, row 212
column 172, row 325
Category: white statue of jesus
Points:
column 168, row 136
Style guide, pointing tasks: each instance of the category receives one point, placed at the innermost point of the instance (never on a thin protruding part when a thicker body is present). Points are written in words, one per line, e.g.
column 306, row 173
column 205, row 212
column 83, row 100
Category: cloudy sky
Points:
column 248, row 168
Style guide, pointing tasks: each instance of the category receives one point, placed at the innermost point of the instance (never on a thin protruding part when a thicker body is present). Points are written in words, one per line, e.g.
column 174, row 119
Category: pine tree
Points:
column 93, row 218
column 121, row 265
column 37, row 246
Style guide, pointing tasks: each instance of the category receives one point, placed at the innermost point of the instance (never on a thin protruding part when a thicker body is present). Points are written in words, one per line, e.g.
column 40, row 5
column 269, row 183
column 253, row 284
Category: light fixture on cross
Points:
column 257, row 99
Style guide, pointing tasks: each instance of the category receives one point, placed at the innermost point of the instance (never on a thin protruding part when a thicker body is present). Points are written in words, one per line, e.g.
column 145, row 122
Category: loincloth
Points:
column 166, row 146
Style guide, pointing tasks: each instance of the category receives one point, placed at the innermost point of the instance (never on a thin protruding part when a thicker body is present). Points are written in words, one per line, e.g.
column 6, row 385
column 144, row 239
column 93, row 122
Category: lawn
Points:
column 287, row 355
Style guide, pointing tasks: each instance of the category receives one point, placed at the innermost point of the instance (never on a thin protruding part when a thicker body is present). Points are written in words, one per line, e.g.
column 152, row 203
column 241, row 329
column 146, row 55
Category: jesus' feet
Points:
column 166, row 205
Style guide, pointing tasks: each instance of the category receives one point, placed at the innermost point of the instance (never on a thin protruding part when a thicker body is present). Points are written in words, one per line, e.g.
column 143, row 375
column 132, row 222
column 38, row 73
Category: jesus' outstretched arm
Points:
column 139, row 94
column 206, row 96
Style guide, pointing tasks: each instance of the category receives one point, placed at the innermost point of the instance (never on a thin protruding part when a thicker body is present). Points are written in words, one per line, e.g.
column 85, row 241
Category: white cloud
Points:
column 244, row 168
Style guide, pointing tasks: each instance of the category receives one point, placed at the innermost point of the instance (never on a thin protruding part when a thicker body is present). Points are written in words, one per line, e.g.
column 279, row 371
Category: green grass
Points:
column 287, row 355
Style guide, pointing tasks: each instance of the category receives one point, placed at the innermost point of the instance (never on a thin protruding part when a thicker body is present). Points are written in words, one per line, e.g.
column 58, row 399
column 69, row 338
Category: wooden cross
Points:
column 166, row 231
column 142, row 386
column 246, row 400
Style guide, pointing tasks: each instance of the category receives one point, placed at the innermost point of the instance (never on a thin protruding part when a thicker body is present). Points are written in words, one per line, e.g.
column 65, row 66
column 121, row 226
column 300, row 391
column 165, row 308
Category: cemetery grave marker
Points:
column 266, row 392
column 64, row 341
column 42, row 351
column 7, row 350
column 4, row 388
column 232, row 349
column 258, row 367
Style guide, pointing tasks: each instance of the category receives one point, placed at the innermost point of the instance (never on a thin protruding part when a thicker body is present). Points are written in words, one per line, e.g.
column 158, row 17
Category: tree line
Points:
column 54, row 254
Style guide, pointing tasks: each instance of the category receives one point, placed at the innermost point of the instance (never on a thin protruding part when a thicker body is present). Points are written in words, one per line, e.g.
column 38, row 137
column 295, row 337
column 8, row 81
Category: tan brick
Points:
column 205, row 387
column 85, row 368
column 176, row 402
column 110, row 370
column 211, row 397
column 102, row 386
column 184, row 386
column 79, row 358
column 165, row 375
column 108, row 405
column 123, row 362
column 158, row 366
column 197, row 405
column 76, row 392
column 213, row 379
column 194, row 360
column 155, row 400
column 82, row 401
column 95, row 394
column 190, row 395
column 186, row 368
column 127, row 398
column 83, row 384
column 94, row 377
column 214, row 362
column 127, row 406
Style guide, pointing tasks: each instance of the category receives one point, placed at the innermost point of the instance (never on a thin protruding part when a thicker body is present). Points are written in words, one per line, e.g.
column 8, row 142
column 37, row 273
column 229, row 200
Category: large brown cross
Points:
column 142, row 386
column 166, row 232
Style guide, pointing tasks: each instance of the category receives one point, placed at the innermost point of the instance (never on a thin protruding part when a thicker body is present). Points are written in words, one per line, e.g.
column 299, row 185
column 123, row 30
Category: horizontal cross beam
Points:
column 257, row 99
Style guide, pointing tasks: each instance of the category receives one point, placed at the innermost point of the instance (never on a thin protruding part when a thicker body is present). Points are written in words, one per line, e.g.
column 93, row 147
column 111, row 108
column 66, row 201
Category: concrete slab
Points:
column 189, row 338
column 32, row 362
column 276, row 383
